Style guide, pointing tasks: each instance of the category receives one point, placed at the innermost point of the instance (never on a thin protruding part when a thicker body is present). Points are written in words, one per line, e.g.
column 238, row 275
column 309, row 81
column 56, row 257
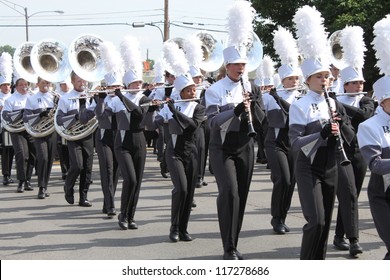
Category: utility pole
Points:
column 166, row 20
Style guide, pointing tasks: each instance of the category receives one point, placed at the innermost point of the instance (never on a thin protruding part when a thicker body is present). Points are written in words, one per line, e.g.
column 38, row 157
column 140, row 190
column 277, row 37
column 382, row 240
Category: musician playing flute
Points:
column 38, row 107
column 312, row 130
column 184, row 120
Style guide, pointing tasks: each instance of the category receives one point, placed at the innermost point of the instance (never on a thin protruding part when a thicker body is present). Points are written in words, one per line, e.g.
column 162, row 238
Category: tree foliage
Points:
column 337, row 15
column 8, row 49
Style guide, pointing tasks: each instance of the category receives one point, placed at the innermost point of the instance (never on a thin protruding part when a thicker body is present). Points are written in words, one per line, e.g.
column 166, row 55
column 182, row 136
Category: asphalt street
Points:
column 51, row 229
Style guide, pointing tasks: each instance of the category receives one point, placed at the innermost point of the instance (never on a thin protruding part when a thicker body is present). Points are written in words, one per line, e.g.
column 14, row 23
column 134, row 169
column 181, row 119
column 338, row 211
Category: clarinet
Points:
column 251, row 130
column 344, row 161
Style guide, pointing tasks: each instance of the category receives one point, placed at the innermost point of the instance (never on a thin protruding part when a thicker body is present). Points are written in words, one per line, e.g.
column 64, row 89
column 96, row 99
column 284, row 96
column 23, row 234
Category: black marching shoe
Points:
column 132, row 225
column 27, row 186
column 278, row 225
column 85, row 203
column 193, row 205
column 387, row 256
column 164, row 170
column 286, row 228
column 174, row 234
column 239, row 255
column 355, row 248
column 122, row 222
column 7, row 180
column 340, row 243
column 20, row 188
column 184, row 236
column 42, row 193
column 110, row 212
column 230, row 255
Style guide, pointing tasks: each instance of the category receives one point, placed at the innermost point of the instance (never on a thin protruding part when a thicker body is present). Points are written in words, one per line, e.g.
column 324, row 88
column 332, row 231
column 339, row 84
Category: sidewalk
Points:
column 33, row 229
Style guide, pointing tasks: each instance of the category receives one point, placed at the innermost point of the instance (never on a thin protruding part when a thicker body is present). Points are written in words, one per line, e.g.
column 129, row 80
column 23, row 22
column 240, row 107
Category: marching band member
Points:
column 312, row 136
column 373, row 139
column 192, row 47
column 130, row 143
column 7, row 150
column 231, row 149
column 22, row 141
column 38, row 107
column 65, row 86
column 105, row 134
column 277, row 144
column 72, row 109
column 184, row 119
column 359, row 108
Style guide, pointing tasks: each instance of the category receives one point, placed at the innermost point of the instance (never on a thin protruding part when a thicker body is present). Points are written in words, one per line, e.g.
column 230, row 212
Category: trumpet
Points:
column 160, row 102
column 351, row 93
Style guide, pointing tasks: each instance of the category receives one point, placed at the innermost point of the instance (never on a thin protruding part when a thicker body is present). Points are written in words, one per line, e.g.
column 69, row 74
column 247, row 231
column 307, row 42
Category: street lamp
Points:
column 27, row 17
column 142, row 24
column 25, row 13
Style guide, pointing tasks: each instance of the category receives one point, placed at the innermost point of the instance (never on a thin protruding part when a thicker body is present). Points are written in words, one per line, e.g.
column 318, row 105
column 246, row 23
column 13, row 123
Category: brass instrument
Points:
column 160, row 102
column 15, row 127
column 22, row 62
column 86, row 61
column 251, row 129
column 85, row 58
column 337, row 57
column 45, row 126
column 212, row 52
column 340, row 148
column 49, row 59
column 77, row 131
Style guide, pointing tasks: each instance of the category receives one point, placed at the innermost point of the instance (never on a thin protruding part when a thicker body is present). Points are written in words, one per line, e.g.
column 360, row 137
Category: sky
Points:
column 186, row 18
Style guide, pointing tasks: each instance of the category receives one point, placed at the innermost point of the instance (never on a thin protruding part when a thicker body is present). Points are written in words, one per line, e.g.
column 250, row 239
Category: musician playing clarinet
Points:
column 312, row 132
column 231, row 149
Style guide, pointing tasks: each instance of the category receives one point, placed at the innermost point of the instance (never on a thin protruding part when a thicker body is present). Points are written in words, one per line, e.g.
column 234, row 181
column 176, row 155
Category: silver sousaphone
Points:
column 85, row 59
column 22, row 62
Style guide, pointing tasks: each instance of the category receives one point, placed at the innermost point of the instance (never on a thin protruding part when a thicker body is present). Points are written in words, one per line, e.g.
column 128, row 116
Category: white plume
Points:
column 381, row 44
column 353, row 45
column 286, row 46
column 239, row 23
column 268, row 67
column 131, row 54
column 259, row 72
column 312, row 37
column 158, row 68
column 175, row 58
column 6, row 68
column 111, row 57
column 192, row 47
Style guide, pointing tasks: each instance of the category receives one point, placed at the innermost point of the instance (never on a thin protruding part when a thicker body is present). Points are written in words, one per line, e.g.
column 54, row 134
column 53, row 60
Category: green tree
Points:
column 337, row 15
column 8, row 49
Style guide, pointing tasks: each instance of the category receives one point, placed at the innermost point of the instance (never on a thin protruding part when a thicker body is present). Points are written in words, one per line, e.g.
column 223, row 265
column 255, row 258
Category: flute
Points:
column 159, row 102
column 351, row 93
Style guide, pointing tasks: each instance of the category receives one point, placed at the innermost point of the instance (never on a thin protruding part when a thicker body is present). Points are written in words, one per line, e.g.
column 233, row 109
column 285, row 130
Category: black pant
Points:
column 81, row 161
column 233, row 167
column 131, row 156
column 45, row 151
column 183, row 170
column 109, row 171
column 24, row 148
column 317, row 190
column 63, row 154
column 282, row 175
